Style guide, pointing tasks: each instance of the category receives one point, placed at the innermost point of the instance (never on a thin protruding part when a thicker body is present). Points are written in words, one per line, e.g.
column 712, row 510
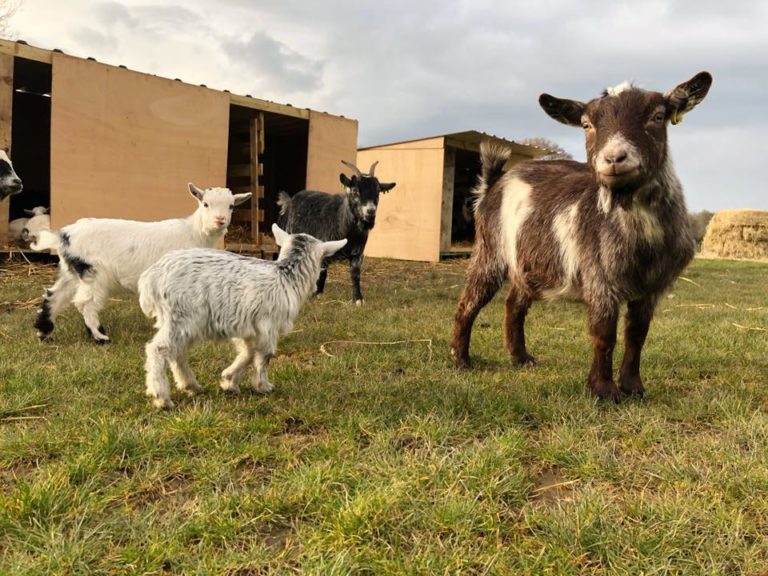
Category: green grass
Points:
column 383, row 459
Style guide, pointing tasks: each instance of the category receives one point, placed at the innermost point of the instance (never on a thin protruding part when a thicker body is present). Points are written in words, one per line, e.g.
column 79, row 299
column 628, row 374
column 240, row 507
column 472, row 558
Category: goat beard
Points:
column 365, row 225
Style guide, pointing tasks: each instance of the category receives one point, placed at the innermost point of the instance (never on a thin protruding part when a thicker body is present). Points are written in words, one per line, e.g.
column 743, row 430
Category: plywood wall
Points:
column 408, row 217
column 6, row 110
column 125, row 144
column 331, row 140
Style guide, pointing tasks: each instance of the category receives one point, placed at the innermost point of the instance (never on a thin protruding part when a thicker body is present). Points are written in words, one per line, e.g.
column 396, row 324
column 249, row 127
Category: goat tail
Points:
column 45, row 241
column 493, row 158
column 284, row 201
column 147, row 296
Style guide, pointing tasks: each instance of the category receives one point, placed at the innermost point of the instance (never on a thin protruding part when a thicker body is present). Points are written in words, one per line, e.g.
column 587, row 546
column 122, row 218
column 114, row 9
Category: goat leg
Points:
column 355, row 266
column 320, row 285
column 603, row 319
column 480, row 288
column 515, row 310
column 636, row 324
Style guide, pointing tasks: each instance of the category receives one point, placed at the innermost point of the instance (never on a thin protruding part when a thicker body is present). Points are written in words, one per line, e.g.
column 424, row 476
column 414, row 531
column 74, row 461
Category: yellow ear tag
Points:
column 676, row 117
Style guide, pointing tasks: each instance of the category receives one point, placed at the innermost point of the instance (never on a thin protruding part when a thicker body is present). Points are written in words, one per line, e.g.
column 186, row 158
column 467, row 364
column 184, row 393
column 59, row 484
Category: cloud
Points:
column 409, row 69
column 273, row 66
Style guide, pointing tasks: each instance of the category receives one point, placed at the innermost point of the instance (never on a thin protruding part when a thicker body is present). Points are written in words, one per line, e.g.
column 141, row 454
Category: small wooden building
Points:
column 90, row 139
column 425, row 216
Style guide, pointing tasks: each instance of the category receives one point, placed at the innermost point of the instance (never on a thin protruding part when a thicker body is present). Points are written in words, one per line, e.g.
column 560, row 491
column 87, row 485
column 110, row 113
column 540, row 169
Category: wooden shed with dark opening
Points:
column 427, row 216
column 91, row 139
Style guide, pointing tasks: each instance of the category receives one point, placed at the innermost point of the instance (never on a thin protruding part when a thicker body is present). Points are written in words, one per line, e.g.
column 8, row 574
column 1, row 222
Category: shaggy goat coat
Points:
column 614, row 230
column 198, row 294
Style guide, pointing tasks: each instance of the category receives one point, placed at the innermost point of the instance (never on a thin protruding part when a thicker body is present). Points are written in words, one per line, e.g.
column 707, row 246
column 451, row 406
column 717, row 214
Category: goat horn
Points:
column 373, row 167
column 352, row 167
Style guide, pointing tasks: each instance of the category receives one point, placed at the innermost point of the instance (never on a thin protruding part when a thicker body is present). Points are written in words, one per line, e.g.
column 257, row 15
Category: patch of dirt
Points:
column 175, row 485
column 551, row 485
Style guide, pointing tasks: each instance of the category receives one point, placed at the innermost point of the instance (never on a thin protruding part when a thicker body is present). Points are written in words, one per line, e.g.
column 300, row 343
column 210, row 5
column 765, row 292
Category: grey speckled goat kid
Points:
column 205, row 294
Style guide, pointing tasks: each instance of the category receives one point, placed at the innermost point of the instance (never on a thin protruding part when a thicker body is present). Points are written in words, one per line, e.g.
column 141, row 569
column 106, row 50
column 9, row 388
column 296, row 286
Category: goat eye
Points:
column 660, row 117
column 231, row 206
column 586, row 125
column 205, row 204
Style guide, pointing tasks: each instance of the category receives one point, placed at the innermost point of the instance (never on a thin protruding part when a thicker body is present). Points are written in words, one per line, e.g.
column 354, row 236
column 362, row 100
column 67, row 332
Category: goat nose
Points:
column 616, row 157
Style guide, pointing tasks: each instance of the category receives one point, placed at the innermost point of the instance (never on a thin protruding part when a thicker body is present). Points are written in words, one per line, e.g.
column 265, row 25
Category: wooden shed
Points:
column 425, row 217
column 90, row 139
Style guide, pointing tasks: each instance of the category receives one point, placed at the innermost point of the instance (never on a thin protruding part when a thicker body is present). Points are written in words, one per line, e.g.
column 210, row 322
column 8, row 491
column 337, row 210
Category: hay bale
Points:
column 737, row 234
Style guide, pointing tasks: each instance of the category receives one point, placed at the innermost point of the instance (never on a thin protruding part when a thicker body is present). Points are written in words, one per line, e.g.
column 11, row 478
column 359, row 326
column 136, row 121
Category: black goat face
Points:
column 363, row 196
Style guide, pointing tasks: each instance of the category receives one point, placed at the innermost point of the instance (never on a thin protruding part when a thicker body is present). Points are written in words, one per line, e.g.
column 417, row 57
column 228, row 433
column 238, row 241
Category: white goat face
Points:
column 10, row 183
column 216, row 205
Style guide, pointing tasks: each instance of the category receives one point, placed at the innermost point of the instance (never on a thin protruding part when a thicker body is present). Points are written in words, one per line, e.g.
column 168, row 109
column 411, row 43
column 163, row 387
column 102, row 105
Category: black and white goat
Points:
column 336, row 216
column 614, row 230
column 10, row 183
column 100, row 255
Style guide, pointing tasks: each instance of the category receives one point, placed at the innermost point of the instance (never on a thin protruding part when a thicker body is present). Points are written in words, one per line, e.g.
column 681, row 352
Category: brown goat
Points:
column 610, row 231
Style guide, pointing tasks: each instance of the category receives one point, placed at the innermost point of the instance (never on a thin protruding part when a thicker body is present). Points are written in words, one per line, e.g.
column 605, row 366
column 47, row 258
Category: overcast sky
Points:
column 407, row 69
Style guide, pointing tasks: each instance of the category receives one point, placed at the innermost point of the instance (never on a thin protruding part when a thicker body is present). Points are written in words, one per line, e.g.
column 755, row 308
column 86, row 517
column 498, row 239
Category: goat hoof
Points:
column 229, row 386
column 162, row 403
column 263, row 388
column 524, row 360
column 192, row 389
column 632, row 386
column 101, row 341
column 359, row 302
column 460, row 361
column 606, row 391
column 44, row 337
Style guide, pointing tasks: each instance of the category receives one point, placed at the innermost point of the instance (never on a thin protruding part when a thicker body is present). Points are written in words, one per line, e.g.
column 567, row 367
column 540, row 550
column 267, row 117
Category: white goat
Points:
column 17, row 225
column 198, row 294
column 98, row 255
column 35, row 227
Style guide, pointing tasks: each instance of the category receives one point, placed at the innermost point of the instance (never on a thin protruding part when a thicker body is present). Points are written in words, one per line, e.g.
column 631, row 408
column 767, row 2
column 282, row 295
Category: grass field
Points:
column 375, row 456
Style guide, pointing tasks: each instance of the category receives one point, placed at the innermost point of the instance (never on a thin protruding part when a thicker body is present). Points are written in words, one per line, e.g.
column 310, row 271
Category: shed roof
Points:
column 470, row 140
column 23, row 50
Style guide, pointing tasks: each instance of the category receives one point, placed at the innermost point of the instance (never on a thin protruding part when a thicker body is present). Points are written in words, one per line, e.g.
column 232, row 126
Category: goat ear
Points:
column 384, row 188
column 565, row 111
column 29, row 212
column 240, row 198
column 281, row 236
column 330, row 248
column 195, row 191
column 347, row 181
column 686, row 96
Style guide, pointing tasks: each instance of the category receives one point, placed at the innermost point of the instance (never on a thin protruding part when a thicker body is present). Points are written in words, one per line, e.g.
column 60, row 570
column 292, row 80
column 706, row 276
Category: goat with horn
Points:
column 336, row 216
